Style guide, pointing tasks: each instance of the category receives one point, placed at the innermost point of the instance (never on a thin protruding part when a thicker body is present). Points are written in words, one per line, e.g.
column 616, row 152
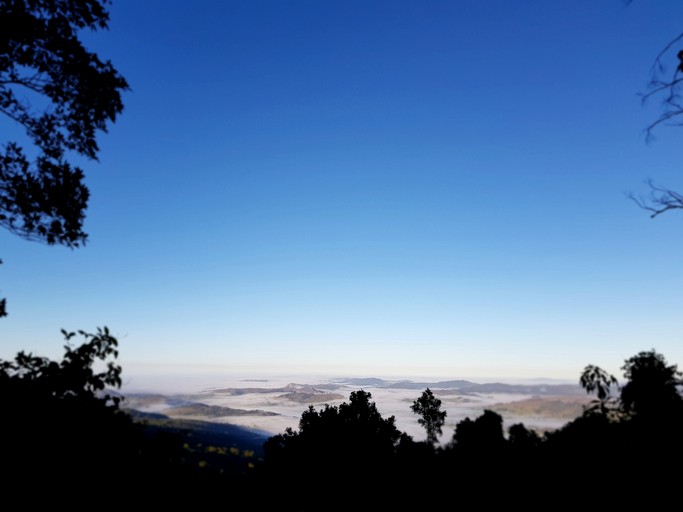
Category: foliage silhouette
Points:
column 635, row 443
column 480, row 443
column 346, row 445
column 596, row 380
column 75, row 95
column 65, row 434
column 652, row 389
column 524, row 444
column 335, row 437
column 432, row 418
column 59, row 426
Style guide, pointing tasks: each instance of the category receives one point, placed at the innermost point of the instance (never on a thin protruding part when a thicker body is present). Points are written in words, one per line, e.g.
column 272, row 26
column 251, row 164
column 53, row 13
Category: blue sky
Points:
column 377, row 188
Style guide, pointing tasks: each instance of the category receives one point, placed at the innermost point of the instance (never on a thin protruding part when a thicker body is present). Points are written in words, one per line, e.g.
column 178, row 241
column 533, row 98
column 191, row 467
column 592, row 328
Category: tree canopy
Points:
column 652, row 386
column 62, row 95
column 61, row 413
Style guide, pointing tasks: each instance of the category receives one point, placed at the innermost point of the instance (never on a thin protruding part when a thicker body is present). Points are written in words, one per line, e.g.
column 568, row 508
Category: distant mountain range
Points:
column 466, row 387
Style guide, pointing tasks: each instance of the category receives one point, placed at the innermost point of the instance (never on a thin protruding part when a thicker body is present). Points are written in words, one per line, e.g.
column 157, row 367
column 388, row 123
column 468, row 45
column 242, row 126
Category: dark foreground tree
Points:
column 652, row 390
column 60, row 424
column 479, row 439
column 336, row 438
column 633, row 442
column 349, row 447
column 73, row 93
column 65, row 441
column 596, row 380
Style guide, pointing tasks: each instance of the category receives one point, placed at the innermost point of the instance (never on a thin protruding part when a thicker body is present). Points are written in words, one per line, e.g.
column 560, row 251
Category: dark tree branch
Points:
column 659, row 201
column 45, row 199
column 669, row 88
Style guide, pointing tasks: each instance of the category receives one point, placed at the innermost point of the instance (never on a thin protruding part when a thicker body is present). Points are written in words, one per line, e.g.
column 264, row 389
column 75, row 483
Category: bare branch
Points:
column 670, row 88
column 659, row 201
column 658, row 60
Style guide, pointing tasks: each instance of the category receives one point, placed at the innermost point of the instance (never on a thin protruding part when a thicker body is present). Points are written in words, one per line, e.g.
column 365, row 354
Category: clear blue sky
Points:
column 373, row 188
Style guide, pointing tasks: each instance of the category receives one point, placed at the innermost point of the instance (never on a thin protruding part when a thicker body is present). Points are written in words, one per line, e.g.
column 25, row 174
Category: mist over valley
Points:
column 269, row 405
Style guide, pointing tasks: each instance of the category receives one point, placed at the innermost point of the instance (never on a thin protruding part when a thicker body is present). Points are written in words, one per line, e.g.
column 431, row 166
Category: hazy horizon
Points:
column 179, row 379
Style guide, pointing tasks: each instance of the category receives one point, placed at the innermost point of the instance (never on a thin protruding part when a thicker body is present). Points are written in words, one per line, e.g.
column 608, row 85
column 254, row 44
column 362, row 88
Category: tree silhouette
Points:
column 652, row 387
column 595, row 379
column 477, row 455
column 481, row 436
column 522, row 438
column 65, row 440
column 61, row 421
column 350, row 445
column 635, row 446
column 432, row 417
column 346, row 432
column 42, row 196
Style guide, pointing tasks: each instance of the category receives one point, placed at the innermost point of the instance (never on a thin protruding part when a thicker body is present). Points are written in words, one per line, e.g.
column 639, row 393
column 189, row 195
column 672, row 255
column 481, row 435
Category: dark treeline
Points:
column 67, row 440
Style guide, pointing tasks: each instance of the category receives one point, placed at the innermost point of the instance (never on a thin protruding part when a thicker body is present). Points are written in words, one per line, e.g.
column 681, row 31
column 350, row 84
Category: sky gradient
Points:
column 382, row 188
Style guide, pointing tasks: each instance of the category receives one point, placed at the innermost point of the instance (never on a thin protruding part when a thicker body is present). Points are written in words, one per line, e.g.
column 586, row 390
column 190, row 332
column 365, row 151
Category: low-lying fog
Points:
column 255, row 394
